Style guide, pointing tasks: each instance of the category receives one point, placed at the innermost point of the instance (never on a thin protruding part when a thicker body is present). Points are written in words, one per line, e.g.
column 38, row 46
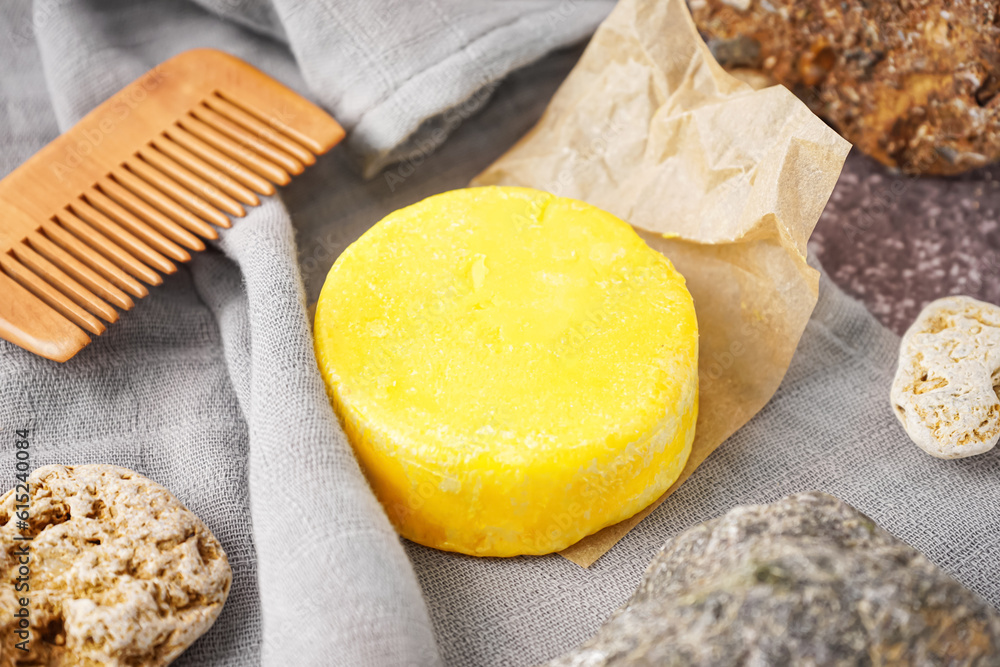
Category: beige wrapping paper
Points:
column 726, row 181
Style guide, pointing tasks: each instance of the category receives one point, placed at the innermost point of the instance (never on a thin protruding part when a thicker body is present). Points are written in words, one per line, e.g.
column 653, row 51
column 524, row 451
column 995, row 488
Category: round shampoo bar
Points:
column 514, row 370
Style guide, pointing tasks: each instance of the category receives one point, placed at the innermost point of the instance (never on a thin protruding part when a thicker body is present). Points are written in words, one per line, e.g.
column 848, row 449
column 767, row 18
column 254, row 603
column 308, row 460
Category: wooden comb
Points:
column 136, row 185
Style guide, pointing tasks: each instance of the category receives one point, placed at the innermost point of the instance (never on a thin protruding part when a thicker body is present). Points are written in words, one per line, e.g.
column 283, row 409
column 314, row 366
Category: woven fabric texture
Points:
column 209, row 385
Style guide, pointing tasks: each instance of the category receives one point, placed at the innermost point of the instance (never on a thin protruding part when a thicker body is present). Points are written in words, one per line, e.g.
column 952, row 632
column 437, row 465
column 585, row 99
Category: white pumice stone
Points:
column 945, row 390
column 120, row 573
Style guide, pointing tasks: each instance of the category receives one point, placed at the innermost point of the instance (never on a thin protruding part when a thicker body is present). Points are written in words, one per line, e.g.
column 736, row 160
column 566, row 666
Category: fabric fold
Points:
column 209, row 385
column 394, row 72
column 335, row 586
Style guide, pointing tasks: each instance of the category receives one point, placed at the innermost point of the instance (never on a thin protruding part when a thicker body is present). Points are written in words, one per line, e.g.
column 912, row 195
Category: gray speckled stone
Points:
column 807, row 580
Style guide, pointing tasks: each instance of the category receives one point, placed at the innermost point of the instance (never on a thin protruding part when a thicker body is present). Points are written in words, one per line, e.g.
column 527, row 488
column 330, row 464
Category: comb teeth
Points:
column 85, row 275
column 138, row 217
column 148, row 212
column 98, row 262
column 219, row 160
column 70, row 286
column 190, row 181
column 207, row 171
column 50, row 295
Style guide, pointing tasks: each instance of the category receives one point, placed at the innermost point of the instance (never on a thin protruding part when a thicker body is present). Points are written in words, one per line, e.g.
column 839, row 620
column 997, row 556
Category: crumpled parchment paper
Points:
column 726, row 181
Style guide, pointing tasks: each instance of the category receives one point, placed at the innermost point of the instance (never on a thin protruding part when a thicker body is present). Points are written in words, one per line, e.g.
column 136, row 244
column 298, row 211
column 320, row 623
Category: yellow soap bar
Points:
column 514, row 370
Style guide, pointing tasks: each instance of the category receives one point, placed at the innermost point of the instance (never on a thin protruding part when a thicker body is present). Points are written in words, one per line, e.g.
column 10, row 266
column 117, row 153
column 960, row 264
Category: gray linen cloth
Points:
column 209, row 384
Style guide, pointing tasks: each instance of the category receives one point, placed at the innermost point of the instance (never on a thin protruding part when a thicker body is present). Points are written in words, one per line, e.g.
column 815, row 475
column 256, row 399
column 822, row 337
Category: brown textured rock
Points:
column 121, row 573
column 914, row 83
column 807, row 580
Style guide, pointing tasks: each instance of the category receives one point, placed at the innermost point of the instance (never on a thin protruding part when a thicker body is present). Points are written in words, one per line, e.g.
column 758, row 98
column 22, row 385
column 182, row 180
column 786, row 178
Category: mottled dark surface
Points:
column 897, row 242
column 807, row 580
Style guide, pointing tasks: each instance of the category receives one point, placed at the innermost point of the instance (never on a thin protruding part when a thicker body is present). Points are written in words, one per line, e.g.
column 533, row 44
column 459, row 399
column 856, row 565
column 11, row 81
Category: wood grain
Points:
column 129, row 190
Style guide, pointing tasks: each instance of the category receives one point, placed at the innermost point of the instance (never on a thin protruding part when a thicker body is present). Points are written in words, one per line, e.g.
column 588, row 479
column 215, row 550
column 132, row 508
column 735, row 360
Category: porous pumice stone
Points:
column 121, row 573
column 514, row 370
column 945, row 389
